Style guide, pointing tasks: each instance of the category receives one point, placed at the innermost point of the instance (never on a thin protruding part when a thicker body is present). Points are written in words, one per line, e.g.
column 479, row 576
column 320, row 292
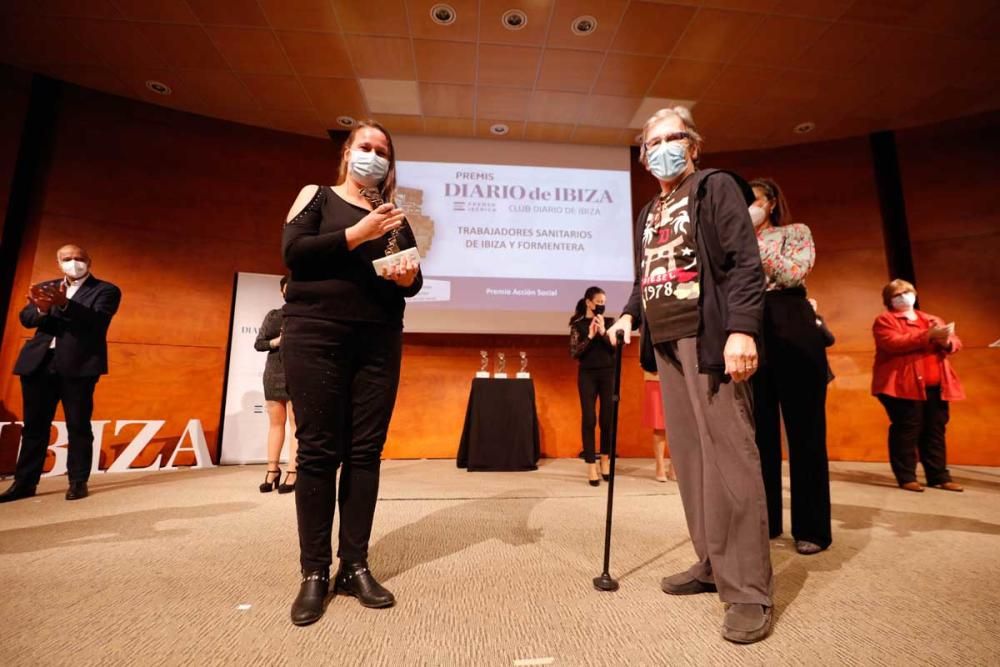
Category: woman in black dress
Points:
column 589, row 344
column 279, row 409
column 342, row 352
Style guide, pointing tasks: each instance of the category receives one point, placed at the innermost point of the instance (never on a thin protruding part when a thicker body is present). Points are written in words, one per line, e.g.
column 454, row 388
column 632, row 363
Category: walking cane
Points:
column 605, row 582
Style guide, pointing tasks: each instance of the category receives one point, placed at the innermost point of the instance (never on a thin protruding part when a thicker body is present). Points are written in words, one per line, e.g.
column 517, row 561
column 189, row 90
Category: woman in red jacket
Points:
column 914, row 381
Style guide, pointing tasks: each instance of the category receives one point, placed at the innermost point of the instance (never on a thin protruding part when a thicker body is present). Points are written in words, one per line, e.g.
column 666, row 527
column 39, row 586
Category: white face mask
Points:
column 74, row 268
column 904, row 301
column 367, row 167
column 757, row 215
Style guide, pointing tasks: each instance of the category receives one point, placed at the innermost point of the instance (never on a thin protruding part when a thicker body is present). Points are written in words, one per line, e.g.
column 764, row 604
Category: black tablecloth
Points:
column 501, row 427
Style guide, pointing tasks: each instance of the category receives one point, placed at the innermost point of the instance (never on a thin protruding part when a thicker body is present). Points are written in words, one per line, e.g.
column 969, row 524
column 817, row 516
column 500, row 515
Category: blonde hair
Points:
column 685, row 115
column 897, row 286
column 387, row 188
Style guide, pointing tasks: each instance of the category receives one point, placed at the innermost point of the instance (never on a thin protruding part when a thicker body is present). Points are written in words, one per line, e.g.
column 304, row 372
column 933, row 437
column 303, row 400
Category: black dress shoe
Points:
column 17, row 491
column 357, row 580
column 77, row 490
column 310, row 603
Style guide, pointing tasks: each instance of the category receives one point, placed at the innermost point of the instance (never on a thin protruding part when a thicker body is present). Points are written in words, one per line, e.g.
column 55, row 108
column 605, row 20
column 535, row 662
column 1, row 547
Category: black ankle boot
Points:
column 311, row 601
column 357, row 580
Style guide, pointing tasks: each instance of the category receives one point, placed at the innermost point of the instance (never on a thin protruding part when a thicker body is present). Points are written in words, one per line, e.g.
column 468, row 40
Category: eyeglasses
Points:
column 656, row 141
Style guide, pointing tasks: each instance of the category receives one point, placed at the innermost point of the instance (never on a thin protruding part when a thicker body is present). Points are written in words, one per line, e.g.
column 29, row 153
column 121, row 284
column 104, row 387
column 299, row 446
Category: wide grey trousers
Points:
column 711, row 434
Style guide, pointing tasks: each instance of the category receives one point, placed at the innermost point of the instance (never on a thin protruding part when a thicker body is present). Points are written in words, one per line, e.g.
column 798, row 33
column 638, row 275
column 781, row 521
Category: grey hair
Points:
column 680, row 112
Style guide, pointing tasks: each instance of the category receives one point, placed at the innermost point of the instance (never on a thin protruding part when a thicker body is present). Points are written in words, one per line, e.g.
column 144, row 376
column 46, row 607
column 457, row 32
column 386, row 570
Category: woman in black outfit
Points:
column 279, row 408
column 342, row 350
column 589, row 344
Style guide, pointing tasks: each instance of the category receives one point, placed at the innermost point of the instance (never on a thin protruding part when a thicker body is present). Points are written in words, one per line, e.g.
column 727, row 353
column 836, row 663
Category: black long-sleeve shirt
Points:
column 330, row 282
column 595, row 352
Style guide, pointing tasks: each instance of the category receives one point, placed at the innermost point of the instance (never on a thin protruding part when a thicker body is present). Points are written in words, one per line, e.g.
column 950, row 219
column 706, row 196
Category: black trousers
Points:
column 594, row 384
column 791, row 385
column 917, row 427
column 342, row 378
column 41, row 392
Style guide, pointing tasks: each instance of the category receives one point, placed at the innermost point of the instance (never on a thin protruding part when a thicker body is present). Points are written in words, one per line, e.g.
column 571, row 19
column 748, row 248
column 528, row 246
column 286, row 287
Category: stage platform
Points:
column 198, row 567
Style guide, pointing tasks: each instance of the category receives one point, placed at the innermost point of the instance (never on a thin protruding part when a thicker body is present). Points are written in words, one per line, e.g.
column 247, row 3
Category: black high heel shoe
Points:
column 310, row 603
column 267, row 486
column 285, row 487
column 357, row 580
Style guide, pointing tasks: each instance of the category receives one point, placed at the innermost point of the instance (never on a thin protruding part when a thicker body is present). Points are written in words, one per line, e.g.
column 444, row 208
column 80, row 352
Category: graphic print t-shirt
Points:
column 670, row 268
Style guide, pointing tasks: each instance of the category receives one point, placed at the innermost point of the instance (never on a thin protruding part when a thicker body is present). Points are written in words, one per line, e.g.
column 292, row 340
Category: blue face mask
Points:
column 367, row 167
column 667, row 160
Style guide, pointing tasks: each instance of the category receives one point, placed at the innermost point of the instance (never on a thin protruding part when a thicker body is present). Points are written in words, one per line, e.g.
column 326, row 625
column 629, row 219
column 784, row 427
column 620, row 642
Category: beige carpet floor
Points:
column 198, row 567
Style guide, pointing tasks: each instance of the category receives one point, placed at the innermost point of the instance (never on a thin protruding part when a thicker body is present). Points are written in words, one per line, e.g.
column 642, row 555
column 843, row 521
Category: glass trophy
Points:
column 501, row 371
column 484, row 364
column 522, row 372
column 393, row 255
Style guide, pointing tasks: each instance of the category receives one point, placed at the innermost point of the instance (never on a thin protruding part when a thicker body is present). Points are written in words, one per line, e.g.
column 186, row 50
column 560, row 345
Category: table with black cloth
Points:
column 501, row 427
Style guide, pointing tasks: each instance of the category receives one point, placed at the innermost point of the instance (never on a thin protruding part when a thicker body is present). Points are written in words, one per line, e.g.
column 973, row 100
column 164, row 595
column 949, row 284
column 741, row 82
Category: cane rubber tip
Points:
column 605, row 583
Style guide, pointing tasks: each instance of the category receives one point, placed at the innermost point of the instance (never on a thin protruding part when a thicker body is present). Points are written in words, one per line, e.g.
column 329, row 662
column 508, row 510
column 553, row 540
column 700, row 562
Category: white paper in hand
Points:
column 385, row 265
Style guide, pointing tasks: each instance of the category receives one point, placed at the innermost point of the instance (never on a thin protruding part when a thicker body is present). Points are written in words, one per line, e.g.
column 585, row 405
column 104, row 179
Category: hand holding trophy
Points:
column 396, row 261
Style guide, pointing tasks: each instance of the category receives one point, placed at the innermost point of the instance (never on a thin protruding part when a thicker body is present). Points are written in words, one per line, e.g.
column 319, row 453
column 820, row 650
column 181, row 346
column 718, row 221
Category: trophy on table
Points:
column 393, row 255
column 522, row 372
column 501, row 371
column 484, row 364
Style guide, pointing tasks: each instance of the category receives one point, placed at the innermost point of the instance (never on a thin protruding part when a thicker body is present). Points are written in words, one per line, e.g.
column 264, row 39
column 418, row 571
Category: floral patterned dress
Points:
column 788, row 255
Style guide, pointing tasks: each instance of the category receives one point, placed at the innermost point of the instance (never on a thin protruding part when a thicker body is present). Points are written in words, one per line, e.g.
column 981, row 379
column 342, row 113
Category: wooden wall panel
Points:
column 14, row 90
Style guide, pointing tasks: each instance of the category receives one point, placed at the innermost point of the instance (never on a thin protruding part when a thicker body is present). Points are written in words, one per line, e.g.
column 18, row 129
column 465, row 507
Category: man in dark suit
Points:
column 62, row 362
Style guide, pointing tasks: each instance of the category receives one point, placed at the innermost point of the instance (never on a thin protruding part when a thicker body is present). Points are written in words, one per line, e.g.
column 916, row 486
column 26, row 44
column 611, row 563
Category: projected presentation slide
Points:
column 516, row 238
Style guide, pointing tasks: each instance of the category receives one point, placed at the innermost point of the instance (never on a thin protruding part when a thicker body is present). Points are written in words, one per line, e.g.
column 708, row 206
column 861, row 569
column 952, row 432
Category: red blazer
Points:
column 900, row 346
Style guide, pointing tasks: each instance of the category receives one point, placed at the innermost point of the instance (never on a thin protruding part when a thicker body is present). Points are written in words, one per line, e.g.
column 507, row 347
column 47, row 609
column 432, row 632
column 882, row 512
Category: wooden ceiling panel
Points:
column 96, row 9
column 740, row 85
column 515, row 66
column 884, row 12
column 609, row 111
column 464, row 29
column 449, row 127
column 607, row 12
column 584, row 134
column 277, row 92
column 204, row 90
column 685, row 79
column 335, row 97
column 114, row 42
column 716, row 35
column 491, row 30
column 447, row 100
column 820, row 9
column 573, row 71
column 553, row 132
column 502, row 103
column 760, row 6
column 300, row 122
column 165, row 11
column 549, row 106
column 316, row 53
column 627, row 74
column 61, row 45
column 780, row 40
column 652, row 29
column 98, row 78
column 371, row 17
column 300, row 14
column 381, row 57
column 445, row 62
column 515, row 132
column 841, row 47
column 185, row 46
column 250, row 50
column 397, row 124
column 229, row 12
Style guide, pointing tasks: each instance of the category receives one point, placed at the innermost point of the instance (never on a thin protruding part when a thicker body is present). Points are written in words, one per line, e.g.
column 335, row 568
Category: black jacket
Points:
column 80, row 329
column 730, row 276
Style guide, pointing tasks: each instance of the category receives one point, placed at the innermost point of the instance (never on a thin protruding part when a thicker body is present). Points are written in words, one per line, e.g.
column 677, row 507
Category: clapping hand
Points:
column 941, row 333
column 45, row 297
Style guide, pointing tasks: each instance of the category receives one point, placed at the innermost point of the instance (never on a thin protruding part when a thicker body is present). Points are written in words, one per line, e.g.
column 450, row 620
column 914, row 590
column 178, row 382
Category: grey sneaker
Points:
column 746, row 623
column 807, row 548
column 683, row 583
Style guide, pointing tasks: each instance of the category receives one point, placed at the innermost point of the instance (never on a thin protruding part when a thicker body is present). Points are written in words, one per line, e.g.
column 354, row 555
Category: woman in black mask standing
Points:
column 589, row 344
column 342, row 351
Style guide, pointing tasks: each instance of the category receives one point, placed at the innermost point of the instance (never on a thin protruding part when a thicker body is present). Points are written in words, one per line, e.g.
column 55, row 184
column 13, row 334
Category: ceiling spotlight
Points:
column 443, row 14
column 804, row 128
column 584, row 25
column 514, row 19
column 499, row 129
column 345, row 121
column 159, row 87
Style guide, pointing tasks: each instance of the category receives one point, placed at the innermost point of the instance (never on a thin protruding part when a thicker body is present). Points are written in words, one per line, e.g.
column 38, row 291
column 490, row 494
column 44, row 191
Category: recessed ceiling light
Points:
column 159, row 87
column 346, row 121
column 804, row 128
column 514, row 19
column 584, row 25
column 499, row 129
column 443, row 14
